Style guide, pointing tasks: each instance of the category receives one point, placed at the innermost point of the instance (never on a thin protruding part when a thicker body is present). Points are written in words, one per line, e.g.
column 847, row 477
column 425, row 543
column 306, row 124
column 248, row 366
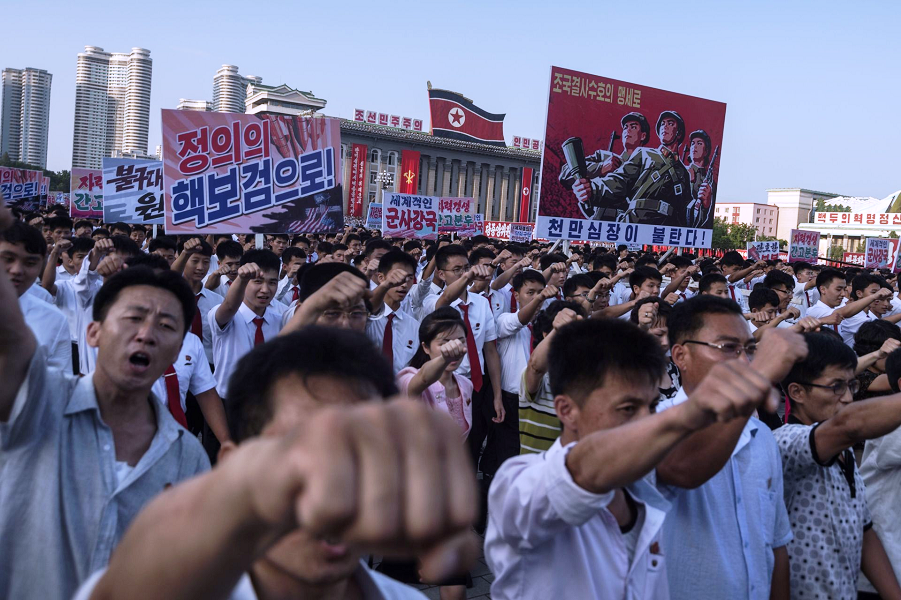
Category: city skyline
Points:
column 800, row 83
column 25, row 114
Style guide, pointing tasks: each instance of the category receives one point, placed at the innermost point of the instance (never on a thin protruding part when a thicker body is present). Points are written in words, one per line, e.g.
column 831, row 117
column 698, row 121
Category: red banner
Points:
column 409, row 172
column 358, row 180
column 525, row 196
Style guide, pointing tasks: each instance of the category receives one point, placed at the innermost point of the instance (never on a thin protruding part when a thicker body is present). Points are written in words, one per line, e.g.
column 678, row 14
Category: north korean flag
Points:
column 456, row 117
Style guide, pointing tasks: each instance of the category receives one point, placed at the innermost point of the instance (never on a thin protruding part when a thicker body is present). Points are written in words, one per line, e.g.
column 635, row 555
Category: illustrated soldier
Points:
column 652, row 186
column 636, row 133
column 699, row 156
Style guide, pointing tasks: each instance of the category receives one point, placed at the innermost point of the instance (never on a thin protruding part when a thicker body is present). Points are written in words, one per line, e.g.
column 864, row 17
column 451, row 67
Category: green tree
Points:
column 730, row 236
column 835, row 252
column 59, row 180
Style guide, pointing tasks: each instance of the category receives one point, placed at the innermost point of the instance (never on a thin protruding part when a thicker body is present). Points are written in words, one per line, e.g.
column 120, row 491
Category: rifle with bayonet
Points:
column 696, row 213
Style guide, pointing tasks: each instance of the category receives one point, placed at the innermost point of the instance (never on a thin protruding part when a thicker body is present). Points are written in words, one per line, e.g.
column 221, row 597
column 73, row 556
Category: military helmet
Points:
column 702, row 135
column 680, row 131
column 637, row 117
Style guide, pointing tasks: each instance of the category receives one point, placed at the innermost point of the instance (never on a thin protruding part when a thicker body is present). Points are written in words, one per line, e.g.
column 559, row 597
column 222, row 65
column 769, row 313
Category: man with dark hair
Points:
column 290, row 510
column 580, row 520
column 832, row 308
column 374, row 250
column 391, row 327
column 731, row 529
column 864, row 286
column 194, row 263
column 163, row 246
column 122, row 229
column 824, row 491
column 22, row 253
column 83, row 228
column 354, row 245
column 277, row 243
column 737, row 274
column 100, row 234
column 79, row 457
column 714, row 284
column 288, row 286
column 228, row 255
column 331, row 295
column 138, row 234
column 60, row 228
column 245, row 318
column 805, row 289
column 680, row 277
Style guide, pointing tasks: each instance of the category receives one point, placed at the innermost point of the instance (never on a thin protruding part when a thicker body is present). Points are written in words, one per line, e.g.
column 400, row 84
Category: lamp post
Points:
column 386, row 179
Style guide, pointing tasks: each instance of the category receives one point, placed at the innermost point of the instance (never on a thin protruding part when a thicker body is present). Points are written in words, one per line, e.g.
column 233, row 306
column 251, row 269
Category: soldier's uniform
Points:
column 653, row 187
column 703, row 217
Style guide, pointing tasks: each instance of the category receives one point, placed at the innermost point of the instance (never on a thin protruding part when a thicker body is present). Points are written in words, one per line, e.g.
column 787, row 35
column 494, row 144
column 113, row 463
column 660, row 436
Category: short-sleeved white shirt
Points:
column 191, row 368
column 236, row 339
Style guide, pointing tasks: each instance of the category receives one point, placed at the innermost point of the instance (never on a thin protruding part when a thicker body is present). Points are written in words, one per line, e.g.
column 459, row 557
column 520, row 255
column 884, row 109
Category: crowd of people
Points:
column 343, row 415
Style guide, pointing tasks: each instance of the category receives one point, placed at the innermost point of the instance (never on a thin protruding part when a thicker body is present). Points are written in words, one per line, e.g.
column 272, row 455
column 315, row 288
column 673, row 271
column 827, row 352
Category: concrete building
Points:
column 280, row 100
column 230, row 89
column 763, row 217
column 112, row 104
column 25, row 115
column 796, row 205
column 490, row 174
column 198, row 105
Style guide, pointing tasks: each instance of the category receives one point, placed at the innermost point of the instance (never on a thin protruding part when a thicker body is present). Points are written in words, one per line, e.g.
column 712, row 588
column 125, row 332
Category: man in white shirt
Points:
column 228, row 255
column 22, row 253
column 805, row 289
column 293, row 259
column 864, row 286
column 290, row 510
column 580, row 520
column 245, row 318
column 71, row 252
column 394, row 331
column 735, row 272
column 833, row 308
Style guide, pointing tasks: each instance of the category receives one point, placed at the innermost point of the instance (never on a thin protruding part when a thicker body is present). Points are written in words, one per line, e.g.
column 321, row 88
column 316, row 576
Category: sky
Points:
column 809, row 86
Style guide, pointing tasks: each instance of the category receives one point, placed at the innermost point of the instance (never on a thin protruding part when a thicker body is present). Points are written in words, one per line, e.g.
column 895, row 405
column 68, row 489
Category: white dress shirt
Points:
column 484, row 329
column 51, row 328
column 881, row 472
column 807, row 298
column 39, row 292
column 549, row 538
column 848, row 327
column 514, row 344
column 75, row 298
column 191, row 368
column 404, row 335
column 236, row 339
column 285, row 292
column 207, row 300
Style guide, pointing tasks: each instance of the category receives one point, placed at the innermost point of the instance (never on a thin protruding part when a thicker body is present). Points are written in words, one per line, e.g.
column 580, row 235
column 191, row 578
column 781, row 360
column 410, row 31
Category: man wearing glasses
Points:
column 824, row 492
column 726, row 537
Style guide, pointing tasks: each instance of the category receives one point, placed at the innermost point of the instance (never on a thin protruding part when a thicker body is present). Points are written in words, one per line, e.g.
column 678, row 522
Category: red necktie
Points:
column 388, row 341
column 474, row 366
column 512, row 302
column 197, row 323
column 295, row 293
column 732, row 292
column 258, row 336
column 531, row 340
column 807, row 296
column 173, row 396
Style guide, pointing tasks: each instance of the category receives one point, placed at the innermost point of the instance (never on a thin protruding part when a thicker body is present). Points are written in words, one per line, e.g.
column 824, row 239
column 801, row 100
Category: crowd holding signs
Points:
column 199, row 374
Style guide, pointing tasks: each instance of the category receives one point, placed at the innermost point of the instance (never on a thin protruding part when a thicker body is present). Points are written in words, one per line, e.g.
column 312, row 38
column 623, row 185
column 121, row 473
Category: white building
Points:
column 280, row 100
column 230, row 89
column 763, row 217
column 25, row 115
column 197, row 105
column 112, row 105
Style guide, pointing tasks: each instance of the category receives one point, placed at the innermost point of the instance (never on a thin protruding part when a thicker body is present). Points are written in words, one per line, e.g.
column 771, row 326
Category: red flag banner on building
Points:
column 525, row 197
column 409, row 172
column 455, row 116
column 357, row 180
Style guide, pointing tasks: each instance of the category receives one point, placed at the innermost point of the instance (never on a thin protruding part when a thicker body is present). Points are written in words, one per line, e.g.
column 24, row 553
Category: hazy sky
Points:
column 813, row 89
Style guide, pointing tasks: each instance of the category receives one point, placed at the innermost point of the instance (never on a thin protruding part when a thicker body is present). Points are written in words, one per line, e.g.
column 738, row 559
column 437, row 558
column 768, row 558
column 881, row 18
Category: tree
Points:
column 729, row 236
column 59, row 180
column 835, row 252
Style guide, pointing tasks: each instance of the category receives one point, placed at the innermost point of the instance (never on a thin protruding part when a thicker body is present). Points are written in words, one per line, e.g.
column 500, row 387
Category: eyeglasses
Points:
column 354, row 316
column 458, row 270
column 729, row 348
column 582, row 295
column 839, row 387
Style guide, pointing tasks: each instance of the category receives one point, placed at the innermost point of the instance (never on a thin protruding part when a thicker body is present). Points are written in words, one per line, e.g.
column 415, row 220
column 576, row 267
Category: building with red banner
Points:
column 420, row 163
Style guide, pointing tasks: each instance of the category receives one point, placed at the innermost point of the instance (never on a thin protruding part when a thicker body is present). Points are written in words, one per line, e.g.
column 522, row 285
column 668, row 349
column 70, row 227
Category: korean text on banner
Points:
column 457, row 215
column 625, row 163
column 409, row 216
column 374, row 216
column 358, row 180
column 233, row 173
column 86, row 194
column 133, row 191
column 804, row 246
column 521, row 234
column 763, row 250
column 878, row 253
column 21, row 187
column 855, row 258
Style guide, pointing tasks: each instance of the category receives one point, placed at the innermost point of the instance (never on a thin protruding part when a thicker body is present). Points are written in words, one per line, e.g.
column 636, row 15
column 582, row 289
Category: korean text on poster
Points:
column 21, row 187
column 86, row 198
column 763, row 250
column 374, row 216
column 455, row 215
column 233, row 173
column 804, row 245
column 865, row 220
column 854, row 258
column 410, row 216
column 520, row 233
column 622, row 233
column 133, row 191
column 631, row 155
column 878, row 252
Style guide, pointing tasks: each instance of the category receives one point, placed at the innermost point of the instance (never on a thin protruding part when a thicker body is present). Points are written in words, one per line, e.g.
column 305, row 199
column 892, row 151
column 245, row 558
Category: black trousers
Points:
column 501, row 439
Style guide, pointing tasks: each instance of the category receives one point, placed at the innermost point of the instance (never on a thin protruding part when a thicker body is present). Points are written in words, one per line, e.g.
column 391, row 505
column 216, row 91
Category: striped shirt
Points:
column 539, row 426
